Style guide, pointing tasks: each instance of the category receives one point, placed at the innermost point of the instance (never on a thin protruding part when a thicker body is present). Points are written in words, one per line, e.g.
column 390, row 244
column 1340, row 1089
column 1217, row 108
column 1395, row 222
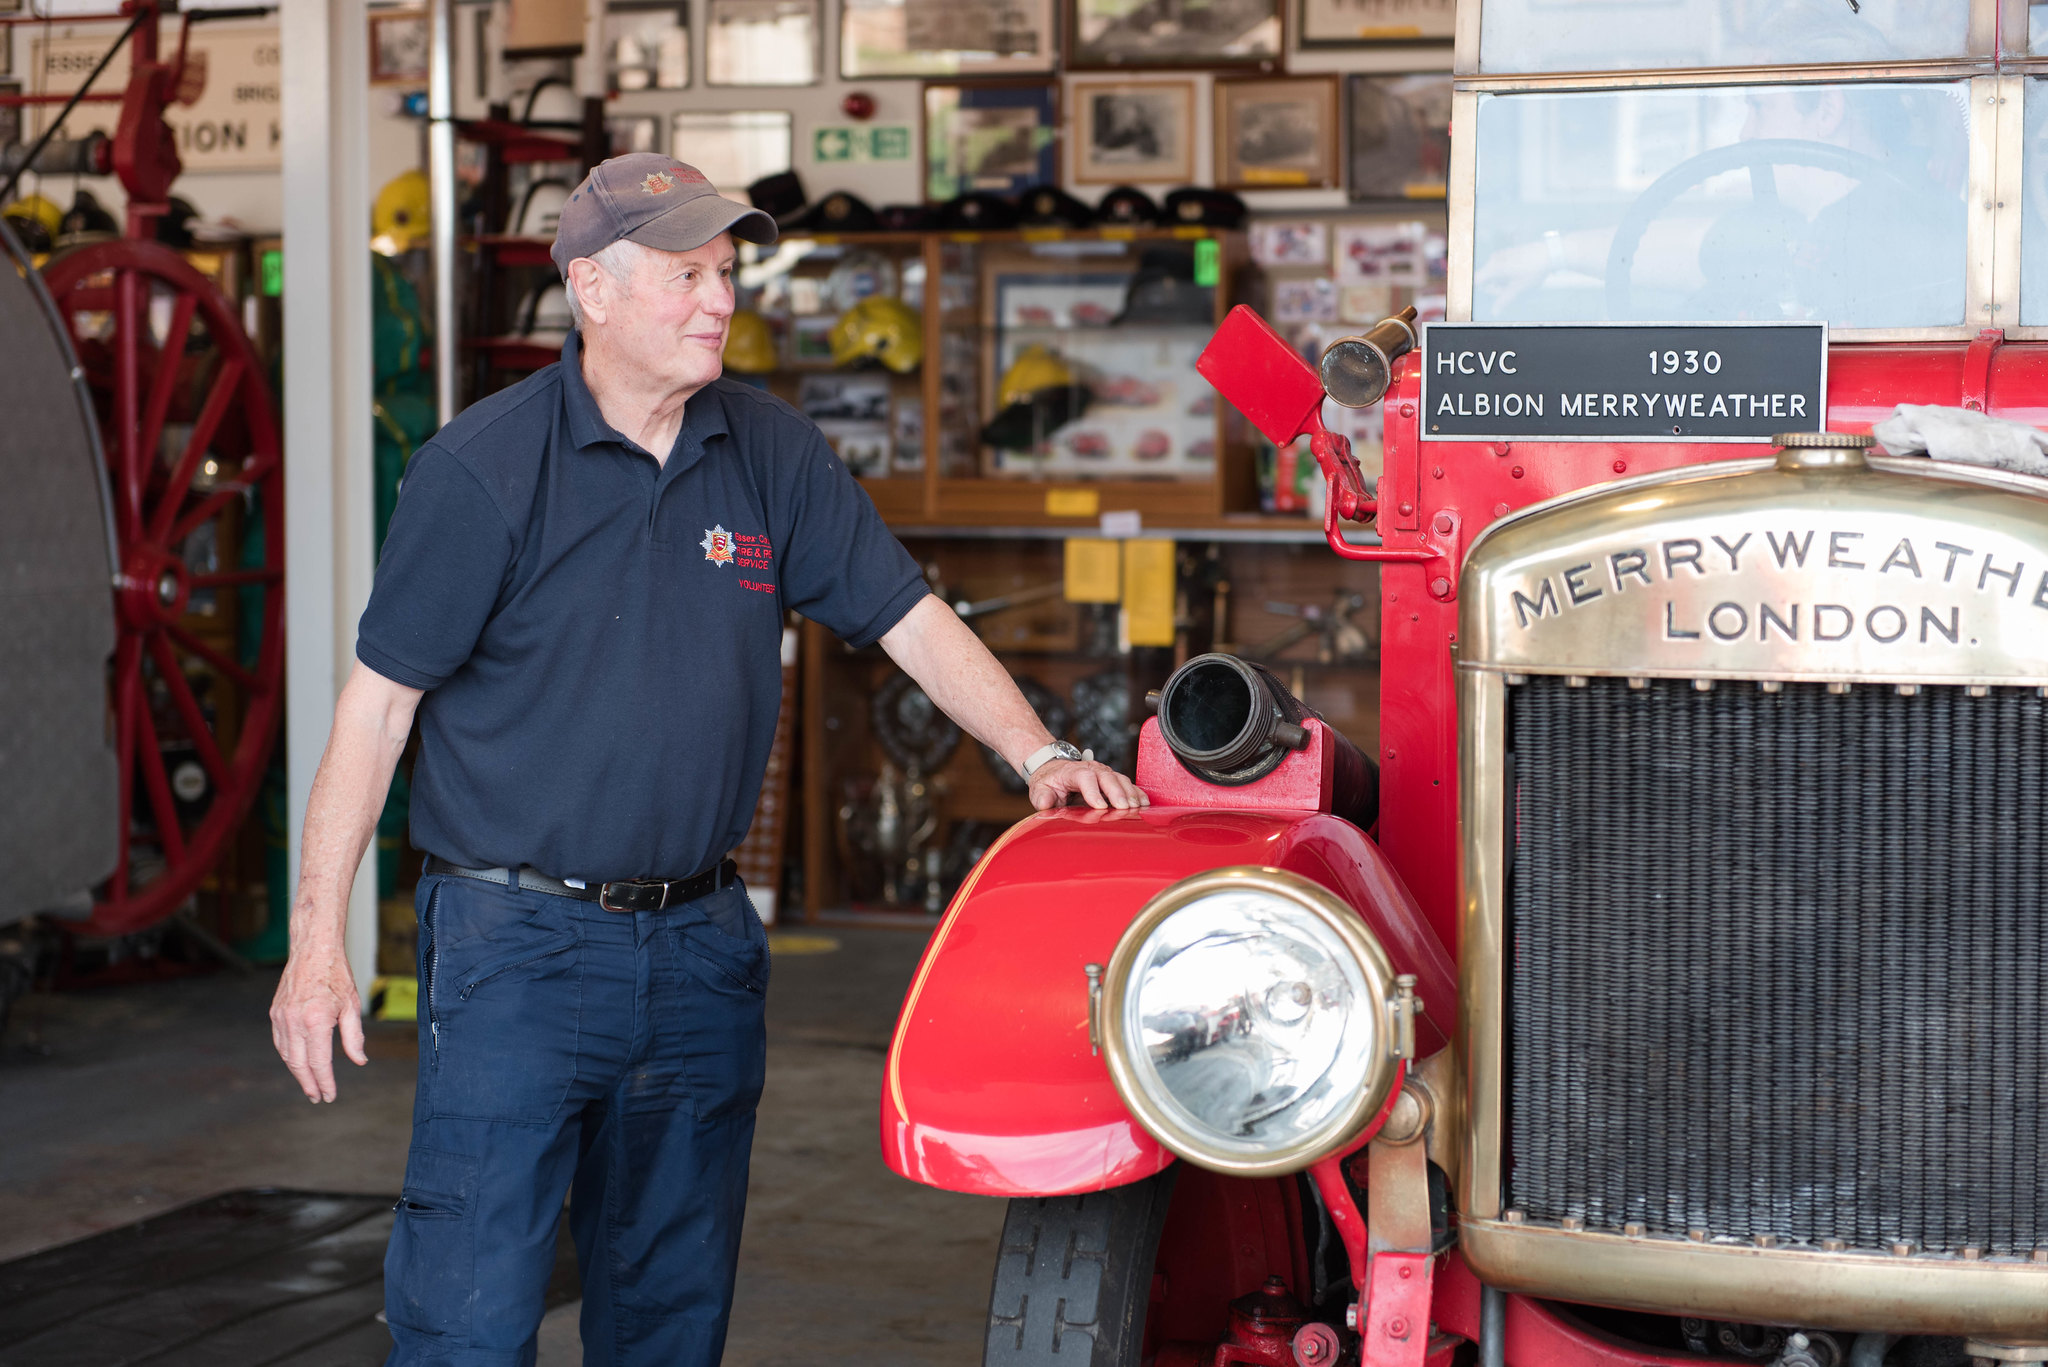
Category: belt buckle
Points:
column 667, row 886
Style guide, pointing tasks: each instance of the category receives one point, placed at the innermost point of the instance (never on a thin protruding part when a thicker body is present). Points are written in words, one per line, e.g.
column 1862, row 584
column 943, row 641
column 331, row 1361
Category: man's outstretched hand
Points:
column 316, row 997
column 1098, row 784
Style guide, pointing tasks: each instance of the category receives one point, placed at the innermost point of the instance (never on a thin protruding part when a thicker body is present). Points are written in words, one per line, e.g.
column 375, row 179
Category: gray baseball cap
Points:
column 654, row 200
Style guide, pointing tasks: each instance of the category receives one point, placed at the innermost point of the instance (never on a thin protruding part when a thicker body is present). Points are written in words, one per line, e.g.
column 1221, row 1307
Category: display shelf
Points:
column 513, row 249
column 516, row 143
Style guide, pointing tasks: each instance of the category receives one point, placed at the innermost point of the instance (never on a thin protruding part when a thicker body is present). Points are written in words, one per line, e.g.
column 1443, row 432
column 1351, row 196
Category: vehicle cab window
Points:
column 1737, row 160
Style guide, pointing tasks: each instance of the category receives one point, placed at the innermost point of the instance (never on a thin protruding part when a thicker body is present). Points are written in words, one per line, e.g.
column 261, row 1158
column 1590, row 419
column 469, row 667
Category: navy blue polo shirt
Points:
column 599, row 635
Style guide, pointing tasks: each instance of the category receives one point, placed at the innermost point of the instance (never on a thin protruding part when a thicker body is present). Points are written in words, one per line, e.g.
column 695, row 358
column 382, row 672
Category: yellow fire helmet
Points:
column 36, row 209
column 749, row 344
column 883, row 328
column 402, row 214
column 1035, row 370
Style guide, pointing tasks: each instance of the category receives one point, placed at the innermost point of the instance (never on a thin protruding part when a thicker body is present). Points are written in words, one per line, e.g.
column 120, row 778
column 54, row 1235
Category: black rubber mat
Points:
column 246, row 1279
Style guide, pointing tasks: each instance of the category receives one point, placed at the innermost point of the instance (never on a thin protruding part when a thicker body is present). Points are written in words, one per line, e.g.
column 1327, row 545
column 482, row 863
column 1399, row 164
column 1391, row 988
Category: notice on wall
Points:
column 236, row 123
column 1622, row 382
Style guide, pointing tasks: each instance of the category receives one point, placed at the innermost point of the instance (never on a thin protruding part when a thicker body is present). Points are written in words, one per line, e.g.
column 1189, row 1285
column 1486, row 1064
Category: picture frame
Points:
column 1372, row 23
column 1133, row 132
column 1275, row 133
column 764, row 42
column 399, row 44
column 647, row 45
column 1398, row 135
column 1119, row 35
column 941, row 39
column 736, row 147
column 998, row 136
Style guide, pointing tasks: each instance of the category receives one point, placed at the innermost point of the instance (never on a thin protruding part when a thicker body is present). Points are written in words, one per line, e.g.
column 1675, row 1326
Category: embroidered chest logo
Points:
column 717, row 544
column 657, row 183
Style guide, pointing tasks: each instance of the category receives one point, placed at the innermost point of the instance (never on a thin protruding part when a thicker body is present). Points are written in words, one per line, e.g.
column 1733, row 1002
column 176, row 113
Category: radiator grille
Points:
column 1778, row 962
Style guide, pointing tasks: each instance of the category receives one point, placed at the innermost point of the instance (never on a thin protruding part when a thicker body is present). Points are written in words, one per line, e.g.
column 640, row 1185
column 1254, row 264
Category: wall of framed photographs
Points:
column 1262, row 98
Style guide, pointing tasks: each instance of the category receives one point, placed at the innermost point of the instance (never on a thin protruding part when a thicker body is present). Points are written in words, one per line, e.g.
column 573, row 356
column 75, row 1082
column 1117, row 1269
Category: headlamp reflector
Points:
column 1247, row 1023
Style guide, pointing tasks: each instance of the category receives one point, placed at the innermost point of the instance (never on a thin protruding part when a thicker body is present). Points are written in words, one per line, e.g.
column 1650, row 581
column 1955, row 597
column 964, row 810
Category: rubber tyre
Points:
column 1074, row 1277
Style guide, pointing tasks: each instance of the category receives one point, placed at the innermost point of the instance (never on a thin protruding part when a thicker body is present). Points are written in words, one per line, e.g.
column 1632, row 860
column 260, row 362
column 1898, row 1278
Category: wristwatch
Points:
column 1059, row 749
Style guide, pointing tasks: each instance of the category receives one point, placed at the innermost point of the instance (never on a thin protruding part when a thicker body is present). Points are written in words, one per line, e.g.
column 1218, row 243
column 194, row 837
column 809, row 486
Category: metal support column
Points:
column 327, row 395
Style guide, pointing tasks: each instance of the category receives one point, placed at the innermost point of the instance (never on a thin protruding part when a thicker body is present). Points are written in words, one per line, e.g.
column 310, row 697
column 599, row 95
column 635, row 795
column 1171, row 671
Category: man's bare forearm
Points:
column 953, row 667
column 371, row 721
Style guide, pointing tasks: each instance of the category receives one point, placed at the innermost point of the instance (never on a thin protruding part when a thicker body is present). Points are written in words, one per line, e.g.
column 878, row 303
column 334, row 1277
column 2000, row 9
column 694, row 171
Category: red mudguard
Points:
column 991, row 1086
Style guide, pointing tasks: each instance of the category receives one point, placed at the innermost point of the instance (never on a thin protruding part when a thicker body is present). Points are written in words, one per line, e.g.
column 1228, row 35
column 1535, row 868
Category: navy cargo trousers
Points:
column 565, row 1049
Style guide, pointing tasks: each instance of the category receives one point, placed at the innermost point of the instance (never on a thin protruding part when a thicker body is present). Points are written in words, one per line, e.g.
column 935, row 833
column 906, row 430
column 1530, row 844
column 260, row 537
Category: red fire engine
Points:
column 1673, row 991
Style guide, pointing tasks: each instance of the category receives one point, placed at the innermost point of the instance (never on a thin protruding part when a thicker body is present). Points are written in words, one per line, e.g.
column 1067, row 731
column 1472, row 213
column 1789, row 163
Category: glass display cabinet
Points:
column 1050, row 377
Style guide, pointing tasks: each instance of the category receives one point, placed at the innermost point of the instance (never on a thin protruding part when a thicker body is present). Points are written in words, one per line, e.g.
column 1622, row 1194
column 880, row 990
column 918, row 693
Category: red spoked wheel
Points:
column 193, row 462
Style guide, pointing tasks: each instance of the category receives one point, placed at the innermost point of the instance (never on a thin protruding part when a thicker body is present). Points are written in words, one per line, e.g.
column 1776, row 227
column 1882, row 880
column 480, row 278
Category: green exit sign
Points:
column 848, row 142
column 271, row 267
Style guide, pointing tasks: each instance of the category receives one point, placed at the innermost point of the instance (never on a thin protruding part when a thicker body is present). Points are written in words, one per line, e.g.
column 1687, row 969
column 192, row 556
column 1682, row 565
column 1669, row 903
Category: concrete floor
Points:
column 118, row 1103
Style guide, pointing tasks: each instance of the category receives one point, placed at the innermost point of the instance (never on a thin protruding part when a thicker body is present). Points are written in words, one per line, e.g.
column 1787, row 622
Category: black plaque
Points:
column 1622, row 382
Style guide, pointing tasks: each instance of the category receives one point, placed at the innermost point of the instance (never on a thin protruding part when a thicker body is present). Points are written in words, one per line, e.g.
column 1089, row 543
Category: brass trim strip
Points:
column 1482, row 738
column 2009, row 194
column 1997, row 1298
column 1981, row 208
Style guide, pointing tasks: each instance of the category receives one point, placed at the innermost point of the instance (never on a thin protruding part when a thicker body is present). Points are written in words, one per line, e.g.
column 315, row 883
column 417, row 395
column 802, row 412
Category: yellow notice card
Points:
column 1094, row 571
column 1073, row 502
column 1148, row 592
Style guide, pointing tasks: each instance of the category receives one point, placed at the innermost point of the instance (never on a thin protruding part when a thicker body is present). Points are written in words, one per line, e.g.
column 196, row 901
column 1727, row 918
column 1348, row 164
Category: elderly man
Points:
column 582, row 597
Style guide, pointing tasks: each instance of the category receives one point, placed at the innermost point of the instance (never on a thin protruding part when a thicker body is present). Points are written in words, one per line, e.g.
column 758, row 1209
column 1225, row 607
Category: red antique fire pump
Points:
column 1669, row 993
column 186, row 426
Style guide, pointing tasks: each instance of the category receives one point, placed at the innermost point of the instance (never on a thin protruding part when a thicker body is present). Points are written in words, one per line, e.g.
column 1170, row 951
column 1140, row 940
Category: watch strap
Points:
column 1044, row 754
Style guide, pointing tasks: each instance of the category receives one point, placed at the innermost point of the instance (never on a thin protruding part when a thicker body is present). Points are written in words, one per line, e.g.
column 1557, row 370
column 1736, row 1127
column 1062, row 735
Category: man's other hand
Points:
column 1098, row 784
column 316, row 997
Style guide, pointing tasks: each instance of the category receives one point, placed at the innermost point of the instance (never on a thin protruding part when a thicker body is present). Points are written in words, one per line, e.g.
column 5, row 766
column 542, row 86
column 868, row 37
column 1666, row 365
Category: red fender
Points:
column 991, row 1086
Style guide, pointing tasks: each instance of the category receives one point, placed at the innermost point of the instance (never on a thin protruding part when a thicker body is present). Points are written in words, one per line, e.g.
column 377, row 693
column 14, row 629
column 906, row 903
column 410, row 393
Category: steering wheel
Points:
column 1759, row 157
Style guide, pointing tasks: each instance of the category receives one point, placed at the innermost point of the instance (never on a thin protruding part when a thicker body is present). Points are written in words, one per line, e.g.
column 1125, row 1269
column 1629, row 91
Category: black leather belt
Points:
column 624, row 894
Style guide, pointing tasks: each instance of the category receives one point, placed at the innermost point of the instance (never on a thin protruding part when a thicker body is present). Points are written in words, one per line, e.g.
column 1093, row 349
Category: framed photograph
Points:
column 1400, row 127
column 1365, row 23
column 398, row 47
column 941, row 38
column 647, row 45
column 1382, row 253
column 1000, row 136
column 734, row 148
column 1137, row 33
column 634, row 133
column 1275, row 134
column 1132, row 132
column 1306, row 243
column 762, row 42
